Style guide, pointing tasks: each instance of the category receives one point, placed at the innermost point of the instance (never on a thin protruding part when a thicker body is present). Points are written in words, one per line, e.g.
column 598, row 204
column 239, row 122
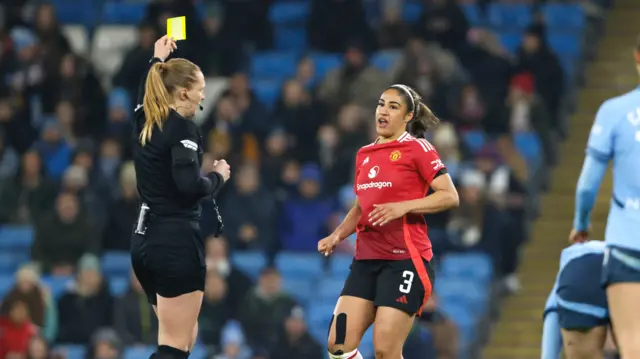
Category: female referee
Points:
column 167, row 250
column 390, row 278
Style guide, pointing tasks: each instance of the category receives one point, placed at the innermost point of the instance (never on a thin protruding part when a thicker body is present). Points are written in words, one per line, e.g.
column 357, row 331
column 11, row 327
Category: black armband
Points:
column 442, row 171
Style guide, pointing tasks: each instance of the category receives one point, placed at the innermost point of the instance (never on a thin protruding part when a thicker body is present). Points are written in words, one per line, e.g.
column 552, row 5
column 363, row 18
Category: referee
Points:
column 167, row 251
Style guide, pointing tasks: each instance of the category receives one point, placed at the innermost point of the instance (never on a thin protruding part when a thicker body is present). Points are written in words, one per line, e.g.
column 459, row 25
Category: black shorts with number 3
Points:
column 390, row 283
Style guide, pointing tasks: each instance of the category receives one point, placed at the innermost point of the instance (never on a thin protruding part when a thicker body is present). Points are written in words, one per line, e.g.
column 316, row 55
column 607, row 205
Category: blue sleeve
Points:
column 552, row 302
column 593, row 171
column 551, row 337
column 600, row 143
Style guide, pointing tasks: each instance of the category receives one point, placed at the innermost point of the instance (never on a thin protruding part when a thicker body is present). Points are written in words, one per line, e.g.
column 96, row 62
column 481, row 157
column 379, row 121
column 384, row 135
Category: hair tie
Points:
column 407, row 91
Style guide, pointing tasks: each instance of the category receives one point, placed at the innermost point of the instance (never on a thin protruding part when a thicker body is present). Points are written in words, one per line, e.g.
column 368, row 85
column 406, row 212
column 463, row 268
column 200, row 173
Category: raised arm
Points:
column 163, row 48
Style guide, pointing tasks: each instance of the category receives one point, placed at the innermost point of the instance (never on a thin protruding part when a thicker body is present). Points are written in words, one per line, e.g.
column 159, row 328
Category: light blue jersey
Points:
column 551, row 338
column 615, row 136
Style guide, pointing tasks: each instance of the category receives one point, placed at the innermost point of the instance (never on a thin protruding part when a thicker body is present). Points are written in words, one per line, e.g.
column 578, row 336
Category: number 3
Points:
column 408, row 281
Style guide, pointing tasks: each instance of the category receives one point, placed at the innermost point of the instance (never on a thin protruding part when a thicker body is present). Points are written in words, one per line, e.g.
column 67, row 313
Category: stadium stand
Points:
column 236, row 46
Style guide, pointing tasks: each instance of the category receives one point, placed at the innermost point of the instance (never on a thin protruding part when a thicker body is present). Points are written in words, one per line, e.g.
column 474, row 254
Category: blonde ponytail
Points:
column 156, row 101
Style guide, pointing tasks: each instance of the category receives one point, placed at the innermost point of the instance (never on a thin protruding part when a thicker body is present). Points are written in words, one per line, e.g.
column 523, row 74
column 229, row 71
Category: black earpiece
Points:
column 201, row 108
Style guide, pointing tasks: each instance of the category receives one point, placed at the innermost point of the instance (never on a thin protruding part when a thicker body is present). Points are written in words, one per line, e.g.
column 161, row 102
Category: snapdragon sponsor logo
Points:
column 377, row 185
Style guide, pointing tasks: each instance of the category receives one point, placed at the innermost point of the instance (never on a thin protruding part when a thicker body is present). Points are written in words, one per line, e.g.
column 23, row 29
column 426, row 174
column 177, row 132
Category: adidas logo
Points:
column 402, row 300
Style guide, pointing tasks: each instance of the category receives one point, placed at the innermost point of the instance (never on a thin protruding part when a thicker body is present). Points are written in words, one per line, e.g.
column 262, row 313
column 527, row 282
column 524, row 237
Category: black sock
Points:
column 167, row 352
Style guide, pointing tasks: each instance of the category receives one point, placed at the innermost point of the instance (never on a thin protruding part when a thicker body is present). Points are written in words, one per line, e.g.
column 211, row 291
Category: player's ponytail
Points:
column 155, row 102
column 422, row 121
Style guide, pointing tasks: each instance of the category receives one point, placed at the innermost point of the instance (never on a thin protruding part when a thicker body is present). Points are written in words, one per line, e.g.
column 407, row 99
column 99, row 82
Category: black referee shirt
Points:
column 168, row 165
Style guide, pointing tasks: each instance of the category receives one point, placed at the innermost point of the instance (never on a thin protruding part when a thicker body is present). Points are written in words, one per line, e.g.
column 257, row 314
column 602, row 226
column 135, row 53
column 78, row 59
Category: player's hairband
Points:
column 408, row 92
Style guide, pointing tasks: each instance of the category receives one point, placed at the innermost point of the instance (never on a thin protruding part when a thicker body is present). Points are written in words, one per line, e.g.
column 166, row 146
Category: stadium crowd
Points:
column 65, row 167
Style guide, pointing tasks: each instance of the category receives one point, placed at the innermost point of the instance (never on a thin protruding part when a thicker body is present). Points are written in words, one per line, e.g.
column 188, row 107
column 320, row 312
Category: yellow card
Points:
column 176, row 28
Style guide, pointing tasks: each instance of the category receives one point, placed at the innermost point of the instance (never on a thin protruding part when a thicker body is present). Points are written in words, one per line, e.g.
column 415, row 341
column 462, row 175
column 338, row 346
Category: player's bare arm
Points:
column 444, row 197
column 344, row 230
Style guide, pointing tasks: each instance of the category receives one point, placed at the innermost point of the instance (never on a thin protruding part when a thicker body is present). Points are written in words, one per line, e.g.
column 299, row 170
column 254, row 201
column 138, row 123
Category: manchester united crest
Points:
column 395, row 155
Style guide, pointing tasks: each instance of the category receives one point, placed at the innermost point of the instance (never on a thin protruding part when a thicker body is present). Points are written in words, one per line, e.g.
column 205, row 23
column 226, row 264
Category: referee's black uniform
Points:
column 167, row 249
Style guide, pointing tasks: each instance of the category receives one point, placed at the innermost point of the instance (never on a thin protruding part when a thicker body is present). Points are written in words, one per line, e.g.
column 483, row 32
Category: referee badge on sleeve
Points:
column 190, row 145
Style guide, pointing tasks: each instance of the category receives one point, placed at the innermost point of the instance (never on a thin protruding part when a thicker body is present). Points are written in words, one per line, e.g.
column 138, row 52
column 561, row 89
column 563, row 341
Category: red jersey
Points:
column 14, row 338
column 396, row 171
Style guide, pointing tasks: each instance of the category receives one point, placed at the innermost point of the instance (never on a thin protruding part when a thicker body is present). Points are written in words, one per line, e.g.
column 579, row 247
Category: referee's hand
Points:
column 223, row 168
column 164, row 47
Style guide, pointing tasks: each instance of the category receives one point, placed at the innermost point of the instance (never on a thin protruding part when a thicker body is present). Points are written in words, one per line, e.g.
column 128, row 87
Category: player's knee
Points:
column 385, row 343
column 338, row 342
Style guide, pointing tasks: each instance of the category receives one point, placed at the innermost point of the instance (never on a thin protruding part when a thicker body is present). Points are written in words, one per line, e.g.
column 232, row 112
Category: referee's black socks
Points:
column 167, row 352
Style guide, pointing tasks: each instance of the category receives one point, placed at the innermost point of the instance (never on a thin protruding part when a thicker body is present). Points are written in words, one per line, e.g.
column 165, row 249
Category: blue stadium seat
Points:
column 11, row 261
column 469, row 292
column 339, row 264
column 509, row 16
column 289, row 13
column 565, row 45
column 330, row 288
column 74, row 11
column 250, row 262
column 511, row 41
column 16, row 238
column 319, row 313
column 138, row 352
column 116, row 263
column 300, row 289
column 564, row 17
column 290, row 38
column 300, row 265
column 58, row 285
column 473, row 14
column 71, row 351
column 464, row 319
column 198, row 352
column 324, row 63
column 118, row 285
column 477, row 266
column 385, row 60
column 274, row 65
column 411, row 12
column 121, row 12
column 528, row 144
column 6, row 283
column 474, row 140
column 267, row 91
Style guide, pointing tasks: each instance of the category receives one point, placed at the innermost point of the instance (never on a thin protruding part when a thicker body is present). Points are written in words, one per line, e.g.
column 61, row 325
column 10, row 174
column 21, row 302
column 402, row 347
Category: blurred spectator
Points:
column 135, row 62
column 276, row 147
column 468, row 218
column 249, row 108
column 422, row 73
column 234, row 345
column 216, row 309
column 122, row 212
column 29, row 291
column 14, row 122
column 134, row 319
column 528, row 113
column 27, row 72
column 248, row 22
column 8, row 159
column 306, row 217
column 87, row 305
column 419, row 344
column 265, row 310
column 29, row 196
column 444, row 331
column 16, row 330
column 446, row 140
column 306, row 73
column 444, row 22
column 119, row 125
column 470, row 110
column 53, row 43
column 535, row 56
column 105, row 344
column 248, row 210
column 226, row 53
column 53, row 149
column 489, row 66
column 333, row 23
column 357, row 81
column 237, row 283
column 76, row 181
column 76, row 83
column 63, row 237
column 296, row 341
column 393, row 33
column 300, row 119
column 40, row 349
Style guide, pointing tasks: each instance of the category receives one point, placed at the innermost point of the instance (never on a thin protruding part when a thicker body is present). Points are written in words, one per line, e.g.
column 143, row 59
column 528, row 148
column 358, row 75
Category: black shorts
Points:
column 391, row 283
column 169, row 259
